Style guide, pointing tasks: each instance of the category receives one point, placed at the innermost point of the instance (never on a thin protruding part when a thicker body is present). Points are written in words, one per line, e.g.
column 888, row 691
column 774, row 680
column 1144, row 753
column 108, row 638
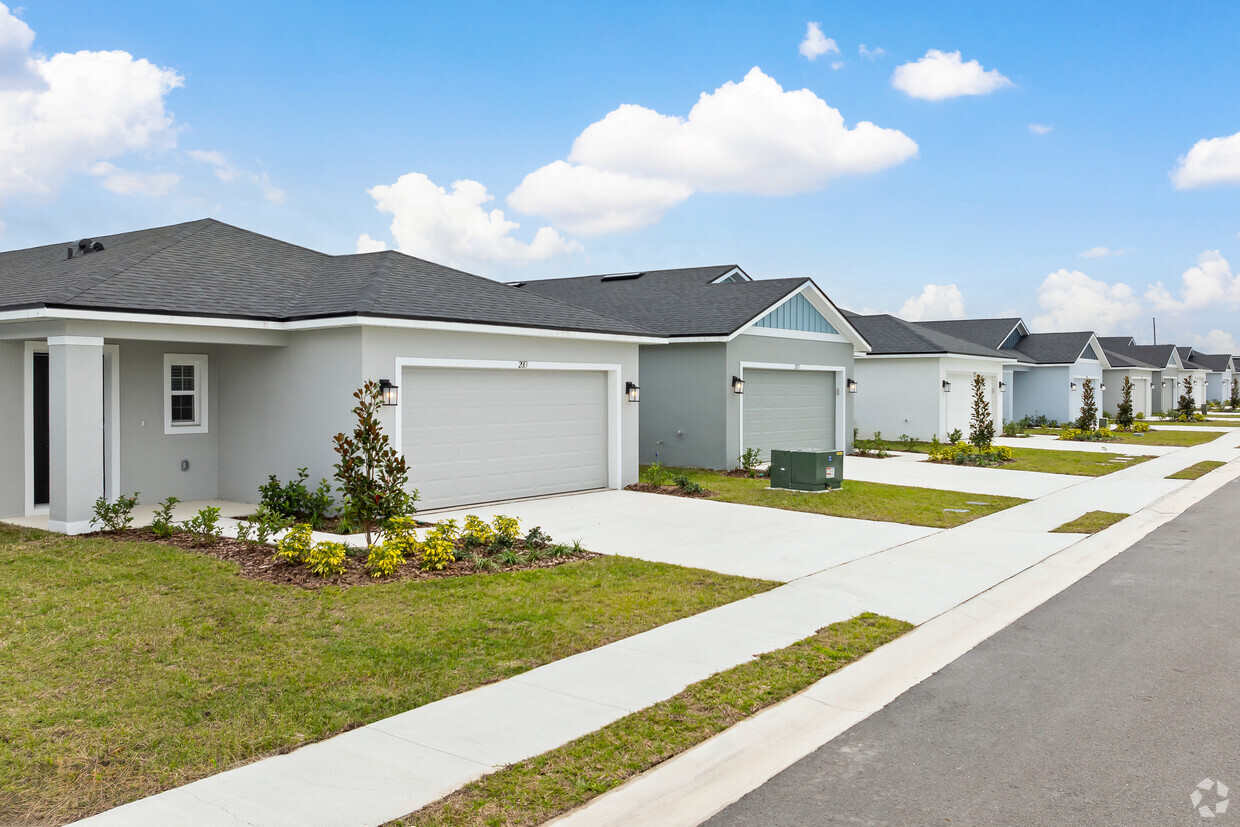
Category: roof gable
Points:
column 797, row 314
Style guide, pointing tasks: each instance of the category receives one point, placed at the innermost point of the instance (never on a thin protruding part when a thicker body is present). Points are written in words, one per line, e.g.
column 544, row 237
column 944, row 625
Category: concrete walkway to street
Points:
column 394, row 766
column 1053, row 443
column 994, row 481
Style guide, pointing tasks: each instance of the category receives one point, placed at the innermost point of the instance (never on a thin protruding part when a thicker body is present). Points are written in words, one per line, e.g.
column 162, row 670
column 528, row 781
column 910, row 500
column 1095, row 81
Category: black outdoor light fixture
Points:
column 1072, row 386
column 852, row 385
column 738, row 385
column 632, row 391
column 947, row 386
column 1002, row 386
column 388, row 390
column 1103, row 387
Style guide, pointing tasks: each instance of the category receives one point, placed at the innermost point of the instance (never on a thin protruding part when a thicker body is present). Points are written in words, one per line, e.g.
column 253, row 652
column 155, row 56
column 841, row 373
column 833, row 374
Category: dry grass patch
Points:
column 1090, row 522
column 1197, row 471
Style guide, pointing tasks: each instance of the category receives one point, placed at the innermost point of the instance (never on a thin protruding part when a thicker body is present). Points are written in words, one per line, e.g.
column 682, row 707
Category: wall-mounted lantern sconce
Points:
column 632, row 391
column 852, row 385
column 1072, row 386
column 1002, row 386
column 738, row 385
column 388, row 392
column 1103, row 387
column 1164, row 383
column 947, row 386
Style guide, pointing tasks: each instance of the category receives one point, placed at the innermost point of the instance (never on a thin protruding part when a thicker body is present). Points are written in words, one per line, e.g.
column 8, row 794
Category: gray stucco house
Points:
column 749, row 363
column 194, row 360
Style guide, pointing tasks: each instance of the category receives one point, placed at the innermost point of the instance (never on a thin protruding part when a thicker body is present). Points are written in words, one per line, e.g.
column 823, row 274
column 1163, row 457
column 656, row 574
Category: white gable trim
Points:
column 820, row 302
column 734, row 271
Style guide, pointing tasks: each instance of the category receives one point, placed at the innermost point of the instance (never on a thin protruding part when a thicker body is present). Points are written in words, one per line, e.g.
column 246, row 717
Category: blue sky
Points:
column 303, row 120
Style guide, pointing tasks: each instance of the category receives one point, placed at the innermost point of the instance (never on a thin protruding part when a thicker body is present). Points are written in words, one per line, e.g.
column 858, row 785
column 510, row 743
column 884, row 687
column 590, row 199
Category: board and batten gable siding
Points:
column 796, row 314
column 382, row 346
column 12, row 429
column 683, row 404
column 898, row 396
column 756, row 348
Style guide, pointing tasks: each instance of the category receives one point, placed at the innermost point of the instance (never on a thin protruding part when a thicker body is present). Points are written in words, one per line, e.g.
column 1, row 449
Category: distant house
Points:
column 1199, row 372
column 749, row 363
column 918, row 379
column 1221, row 369
column 1143, row 365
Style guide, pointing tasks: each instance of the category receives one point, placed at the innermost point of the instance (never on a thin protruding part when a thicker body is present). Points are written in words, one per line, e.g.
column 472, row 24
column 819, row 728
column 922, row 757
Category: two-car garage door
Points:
column 788, row 409
column 480, row 435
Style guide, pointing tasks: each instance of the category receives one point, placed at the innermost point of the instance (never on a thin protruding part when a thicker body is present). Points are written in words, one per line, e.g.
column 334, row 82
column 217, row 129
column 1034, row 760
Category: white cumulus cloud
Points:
column 816, row 44
column 588, row 201
column 366, row 244
column 1211, row 161
column 871, row 54
column 1102, row 252
column 1216, row 341
column 1209, row 284
column 941, row 75
column 1074, row 301
column 454, row 227
column 128, row 182
column 63, row 114
column 937, row 301
column 227, row 172
column 1040, row 128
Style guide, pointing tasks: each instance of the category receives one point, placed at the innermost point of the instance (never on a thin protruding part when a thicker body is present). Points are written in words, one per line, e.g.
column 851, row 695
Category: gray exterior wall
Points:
column 12, row 429
column 1041, row 390
column 685, row 390
column 899, row 396
column 755, row 348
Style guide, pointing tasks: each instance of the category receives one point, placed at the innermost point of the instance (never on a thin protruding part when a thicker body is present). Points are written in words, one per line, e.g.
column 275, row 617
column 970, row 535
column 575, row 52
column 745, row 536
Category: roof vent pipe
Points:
column 70, row 251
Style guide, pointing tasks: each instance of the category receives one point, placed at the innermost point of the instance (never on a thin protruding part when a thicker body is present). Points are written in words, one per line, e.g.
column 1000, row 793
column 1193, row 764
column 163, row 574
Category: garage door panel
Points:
column 789, row 409
column 474, row 436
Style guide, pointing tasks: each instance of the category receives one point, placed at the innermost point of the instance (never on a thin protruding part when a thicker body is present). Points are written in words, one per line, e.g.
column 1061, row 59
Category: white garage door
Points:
column 475, row 436
column 959, row 405
column 1140, row 395
column 789, row 409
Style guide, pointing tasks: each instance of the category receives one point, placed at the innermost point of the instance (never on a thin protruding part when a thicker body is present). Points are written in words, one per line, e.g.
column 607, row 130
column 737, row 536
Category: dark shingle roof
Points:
column 1214, row 362
column 1116, row 341
column 1154, row 356
column 1192, row 359
column 672, row 302
column 208, row 268
column 989, row 333
column 891, row 335
column 1054, row 348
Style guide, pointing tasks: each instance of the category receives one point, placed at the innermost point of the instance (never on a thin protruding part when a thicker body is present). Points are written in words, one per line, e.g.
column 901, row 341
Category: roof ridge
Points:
column 191, row 228
column 376, row 280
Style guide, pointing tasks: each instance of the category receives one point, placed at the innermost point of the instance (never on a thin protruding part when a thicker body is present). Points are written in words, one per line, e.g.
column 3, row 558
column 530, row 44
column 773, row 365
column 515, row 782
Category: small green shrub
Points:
column 537, row 538
column 205, row 525
column 1140, row 415
column 1140, row 427
column 326, row 558
column 295, row 499
column 507, row 529
column 439, row 547
column 509, row 557
column 116, row 515
column 295, row 544
column 750, row 460
column 483, row 564
column 1092, row 435
column 955, row 436
column 400, row 540
column 909, row 442
column 687, row 485
column 1011, row 428
column 656, row 475
column 535, row 554
column 161, row 523
column 476, row 532
column 966, row 453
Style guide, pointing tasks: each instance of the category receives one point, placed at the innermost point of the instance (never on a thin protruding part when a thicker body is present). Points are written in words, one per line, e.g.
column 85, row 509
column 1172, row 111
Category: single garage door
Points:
column 789, row 409
column 474, row 436
column 959, row 404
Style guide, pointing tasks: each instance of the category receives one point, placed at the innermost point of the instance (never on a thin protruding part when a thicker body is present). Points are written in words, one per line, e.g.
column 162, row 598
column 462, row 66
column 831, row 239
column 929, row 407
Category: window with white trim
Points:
column 185, row 393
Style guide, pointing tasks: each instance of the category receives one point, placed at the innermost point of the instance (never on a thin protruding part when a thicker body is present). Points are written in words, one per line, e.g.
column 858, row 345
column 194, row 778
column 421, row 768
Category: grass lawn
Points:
column 1174, row 438
column 1211, row 422
column 1049, row 461
column 127, row 668
column 862, row 500
column 1090, row 522
column 537, row 789
column 1197, row 471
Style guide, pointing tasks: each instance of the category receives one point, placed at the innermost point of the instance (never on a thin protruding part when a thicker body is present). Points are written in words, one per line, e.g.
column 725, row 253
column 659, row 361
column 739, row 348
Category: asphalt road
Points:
column 1107, row 705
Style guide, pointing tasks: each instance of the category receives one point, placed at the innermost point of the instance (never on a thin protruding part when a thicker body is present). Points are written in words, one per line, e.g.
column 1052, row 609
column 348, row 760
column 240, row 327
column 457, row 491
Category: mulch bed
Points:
column 671, row 490
column 741, row 473
column 259, row 562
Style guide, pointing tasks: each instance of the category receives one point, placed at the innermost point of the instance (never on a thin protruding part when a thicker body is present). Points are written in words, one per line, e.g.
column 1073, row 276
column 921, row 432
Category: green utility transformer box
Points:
column 807, row 470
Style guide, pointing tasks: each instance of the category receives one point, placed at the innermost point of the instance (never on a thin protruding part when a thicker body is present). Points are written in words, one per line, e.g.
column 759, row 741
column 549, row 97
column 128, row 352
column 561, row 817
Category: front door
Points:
column 42, row 431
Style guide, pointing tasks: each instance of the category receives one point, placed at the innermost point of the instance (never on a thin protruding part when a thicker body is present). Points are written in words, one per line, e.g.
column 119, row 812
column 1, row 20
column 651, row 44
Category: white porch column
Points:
column 75, row 390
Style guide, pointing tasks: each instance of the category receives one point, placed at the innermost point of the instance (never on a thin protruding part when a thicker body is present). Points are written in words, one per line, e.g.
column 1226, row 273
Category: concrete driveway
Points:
column 747, row 540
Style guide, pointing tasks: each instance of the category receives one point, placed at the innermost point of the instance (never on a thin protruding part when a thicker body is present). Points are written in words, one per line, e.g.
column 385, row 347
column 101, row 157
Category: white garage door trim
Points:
column 840, row 401
column 613, row 395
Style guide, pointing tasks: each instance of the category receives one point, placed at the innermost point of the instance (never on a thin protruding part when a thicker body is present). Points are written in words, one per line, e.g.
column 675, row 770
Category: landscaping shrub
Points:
column 1091, row 435
column 1187, row 405
column 1140, row 427
column 1123, row 412
column 507, row 529
column 968, row 454
column 296, row 501
column 655, row 474
column 400, row 540
column 116, row 515
column 161, row 523
column 1011, row 428
column 1088, row 420
column 537, row 538
column 439, row 548
column 687, row 485
column 295, row 544
column 981, row 425
column 371, row 473
column 476, row 532
column 326, row 558
column 751, row 459
column 204, row 525
column 1234, row 399
column 955, row 436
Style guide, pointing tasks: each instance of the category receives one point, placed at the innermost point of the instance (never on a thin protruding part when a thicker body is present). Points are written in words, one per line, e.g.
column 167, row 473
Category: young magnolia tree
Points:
column 1088, row 420
column 1123, row 411
column 982, row 427
column 372, row 474
column 1235, row 393
column 1188, row 405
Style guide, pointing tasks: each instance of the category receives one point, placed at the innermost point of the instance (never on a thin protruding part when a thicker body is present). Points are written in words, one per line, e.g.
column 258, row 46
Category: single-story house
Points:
column 749, row 364
column 1199, row 373
column 196, row 359
column 1221, row 368
column 917, row 379
column 1141, row 364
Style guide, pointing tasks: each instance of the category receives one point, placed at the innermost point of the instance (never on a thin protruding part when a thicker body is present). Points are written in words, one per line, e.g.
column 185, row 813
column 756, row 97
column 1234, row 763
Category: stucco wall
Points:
column 898, row 396
column 382, row 346
column 12, row 430
column 1041, row 390
column 683, row 408
column 780, row 350
column 1141, row 390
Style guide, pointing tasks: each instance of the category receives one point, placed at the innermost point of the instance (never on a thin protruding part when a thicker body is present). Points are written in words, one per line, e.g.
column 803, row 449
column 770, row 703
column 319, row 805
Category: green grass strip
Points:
column 539, row 788
column 1090, row 522
column 1197, row 471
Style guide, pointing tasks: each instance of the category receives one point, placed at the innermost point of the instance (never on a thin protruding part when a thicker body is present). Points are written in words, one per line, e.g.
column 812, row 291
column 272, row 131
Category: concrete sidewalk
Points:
column 994, row 481
column 1053, row 443
column 397, row 765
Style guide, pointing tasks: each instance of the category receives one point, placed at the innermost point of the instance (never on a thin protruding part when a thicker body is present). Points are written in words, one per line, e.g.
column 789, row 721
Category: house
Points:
column 917, row 379
column 1142, row 365
column 194, row 360
column 1221, row 369
column 1164, row 360
column 1198, row 372
column 749, row 364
